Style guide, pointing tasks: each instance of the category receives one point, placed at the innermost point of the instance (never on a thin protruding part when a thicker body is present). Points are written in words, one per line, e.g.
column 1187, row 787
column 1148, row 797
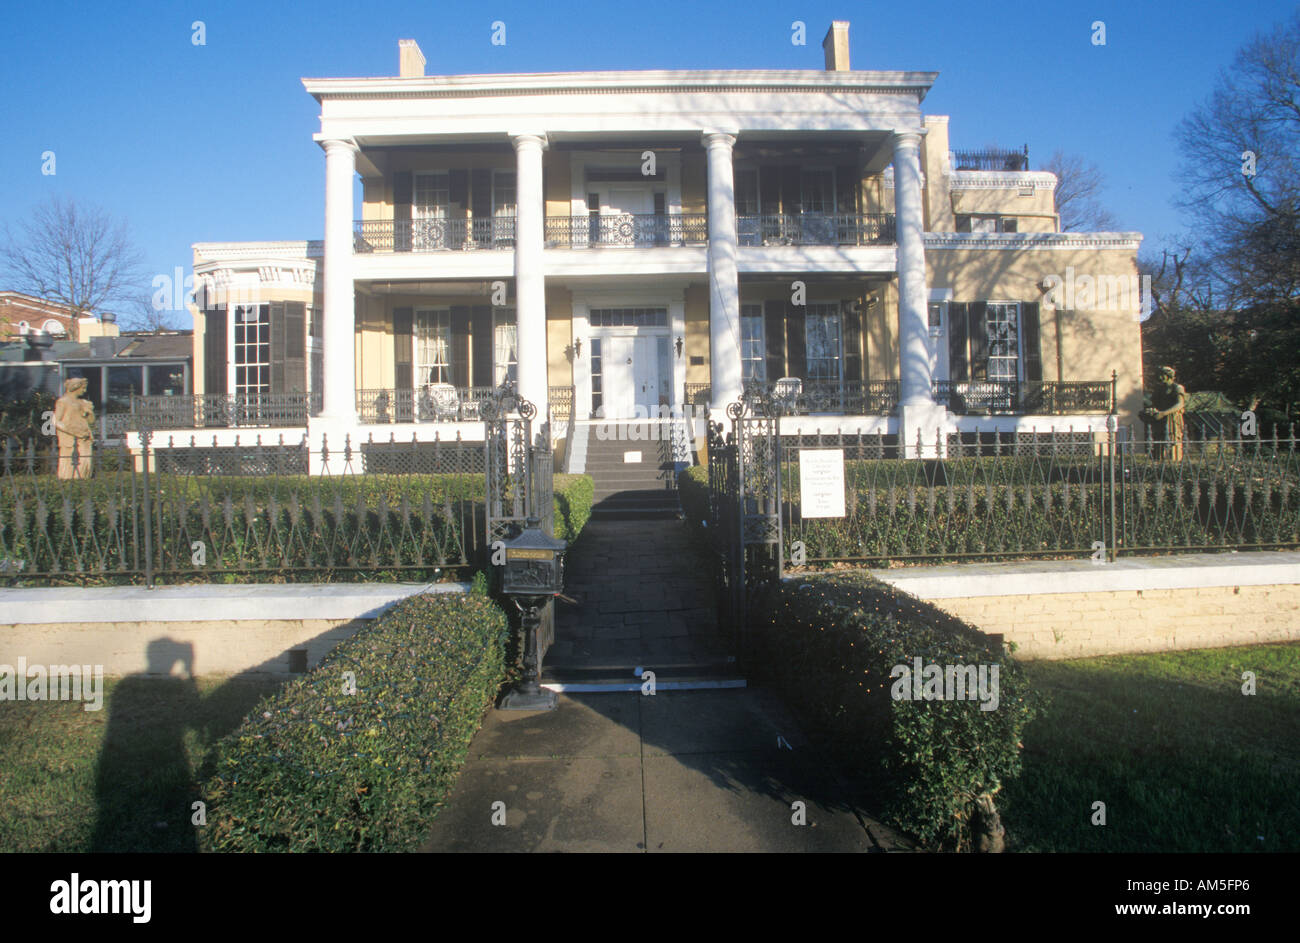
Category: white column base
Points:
column 931, row 422
column 335, row 434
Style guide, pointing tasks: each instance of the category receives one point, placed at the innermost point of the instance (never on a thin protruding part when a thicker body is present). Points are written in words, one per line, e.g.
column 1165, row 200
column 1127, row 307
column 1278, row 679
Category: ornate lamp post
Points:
column 534, row 574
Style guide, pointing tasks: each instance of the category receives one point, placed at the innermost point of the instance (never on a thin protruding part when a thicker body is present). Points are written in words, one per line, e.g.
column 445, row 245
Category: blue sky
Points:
column 197, row 143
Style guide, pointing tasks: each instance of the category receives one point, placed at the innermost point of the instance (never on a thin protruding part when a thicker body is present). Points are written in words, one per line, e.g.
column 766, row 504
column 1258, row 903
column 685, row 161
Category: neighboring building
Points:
column 23, row 314
column 630, row 242
column 134, row 364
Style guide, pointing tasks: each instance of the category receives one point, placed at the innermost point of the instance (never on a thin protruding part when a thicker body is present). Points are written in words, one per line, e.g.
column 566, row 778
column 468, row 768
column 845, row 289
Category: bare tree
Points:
column 1078, row 188
column 1241, row 170
column 73, row 254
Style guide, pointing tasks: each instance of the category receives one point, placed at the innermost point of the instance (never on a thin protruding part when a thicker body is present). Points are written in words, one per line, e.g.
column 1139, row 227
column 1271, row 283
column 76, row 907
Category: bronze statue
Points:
column 1165, row 415
column 74, row 420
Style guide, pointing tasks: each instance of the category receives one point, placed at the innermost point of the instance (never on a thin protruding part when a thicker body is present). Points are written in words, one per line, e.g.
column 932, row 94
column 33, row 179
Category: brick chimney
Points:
column 836, row 46
column 410, row 59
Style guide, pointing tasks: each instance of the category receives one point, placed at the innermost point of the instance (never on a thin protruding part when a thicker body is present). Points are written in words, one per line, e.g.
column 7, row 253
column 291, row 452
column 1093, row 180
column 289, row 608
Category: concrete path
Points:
column 678, row 771
column 644, row 596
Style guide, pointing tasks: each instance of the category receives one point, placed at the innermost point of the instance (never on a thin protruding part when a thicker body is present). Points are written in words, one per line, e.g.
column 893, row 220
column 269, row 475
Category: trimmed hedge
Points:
column 830, row 644
column 314, row 768
column 574, row 496
column 693, row 491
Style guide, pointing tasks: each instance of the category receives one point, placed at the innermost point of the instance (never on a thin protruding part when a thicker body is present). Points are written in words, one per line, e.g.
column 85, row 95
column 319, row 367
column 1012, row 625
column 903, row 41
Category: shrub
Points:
column 574, row 496
column 830, row 645
column 314, row 768
column 693, row 490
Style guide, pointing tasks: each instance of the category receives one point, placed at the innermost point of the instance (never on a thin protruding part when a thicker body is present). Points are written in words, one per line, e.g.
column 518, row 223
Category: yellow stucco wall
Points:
column 559, row 335
column 1096, row 336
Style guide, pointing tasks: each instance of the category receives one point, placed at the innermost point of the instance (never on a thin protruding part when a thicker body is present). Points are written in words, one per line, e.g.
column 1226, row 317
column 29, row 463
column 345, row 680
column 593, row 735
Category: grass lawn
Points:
column 119, row 779
column 1182, row 759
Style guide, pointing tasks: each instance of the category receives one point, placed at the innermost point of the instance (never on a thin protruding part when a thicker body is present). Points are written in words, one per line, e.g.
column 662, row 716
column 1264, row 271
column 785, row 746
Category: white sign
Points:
column 821, row 482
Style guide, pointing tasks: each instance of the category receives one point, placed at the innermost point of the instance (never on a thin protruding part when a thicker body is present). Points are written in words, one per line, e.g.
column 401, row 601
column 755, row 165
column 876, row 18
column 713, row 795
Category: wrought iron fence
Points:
column 793, row 397
column 378, row 511
column 627, row 229
column 219, row 411
column 815, row 229
column 1017, row 494
column 991, row 159
column 431, row 235
column 1023, row 397
column 440, row 402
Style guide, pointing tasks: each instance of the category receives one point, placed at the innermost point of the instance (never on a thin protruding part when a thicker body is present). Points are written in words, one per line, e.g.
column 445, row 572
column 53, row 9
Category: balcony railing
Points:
column 437, row 403
column 790, row 396
column 991, row 158
column 627, row 229
column 432, row 235
column 1036, row 398
column 219, row 411
column 816, row 229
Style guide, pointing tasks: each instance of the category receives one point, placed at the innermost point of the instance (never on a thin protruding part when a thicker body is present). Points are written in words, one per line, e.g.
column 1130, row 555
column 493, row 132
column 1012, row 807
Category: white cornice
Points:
column 1000, row 179
column 1129, row 241
column 561, row 83
column 255, row 252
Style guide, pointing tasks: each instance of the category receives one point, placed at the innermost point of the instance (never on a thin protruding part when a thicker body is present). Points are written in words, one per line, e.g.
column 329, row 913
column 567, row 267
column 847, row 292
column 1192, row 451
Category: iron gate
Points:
column 745, row 514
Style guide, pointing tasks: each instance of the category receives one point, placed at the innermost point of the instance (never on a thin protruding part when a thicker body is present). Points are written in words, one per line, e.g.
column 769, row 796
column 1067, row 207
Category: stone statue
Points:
column 74, row 420
column 1165, row 415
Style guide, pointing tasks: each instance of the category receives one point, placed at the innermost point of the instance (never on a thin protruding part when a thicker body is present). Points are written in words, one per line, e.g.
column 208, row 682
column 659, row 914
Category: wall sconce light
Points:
column 679, row 348
column 577, row 347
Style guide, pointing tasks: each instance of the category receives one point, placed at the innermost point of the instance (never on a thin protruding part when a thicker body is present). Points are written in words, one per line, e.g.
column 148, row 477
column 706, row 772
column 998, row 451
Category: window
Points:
column 505, row 355
column 1003, row 327
column 597, row 388
column 752, row 349
column 252, row 350
column 503, row 207
column 822, row 332
column 817, row 191
column 936, row 316
column 629, row 317
column 747, row 192
column 981, row 223
column 432, row 339
column 166, row 379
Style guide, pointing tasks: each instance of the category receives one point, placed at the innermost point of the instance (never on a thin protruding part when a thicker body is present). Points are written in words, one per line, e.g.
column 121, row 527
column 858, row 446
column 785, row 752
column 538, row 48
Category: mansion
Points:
column 624, row 244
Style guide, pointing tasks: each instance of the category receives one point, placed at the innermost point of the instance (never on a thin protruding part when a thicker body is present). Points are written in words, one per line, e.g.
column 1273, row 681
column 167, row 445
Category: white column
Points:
column 913, row 323
column 530, row 281
column 724, row 286
column 340, row 394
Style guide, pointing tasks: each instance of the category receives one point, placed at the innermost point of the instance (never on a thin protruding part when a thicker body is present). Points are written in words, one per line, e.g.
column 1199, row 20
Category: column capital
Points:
column 714, row 139
column 907, row 139
column 340, row 144
column 528, row 139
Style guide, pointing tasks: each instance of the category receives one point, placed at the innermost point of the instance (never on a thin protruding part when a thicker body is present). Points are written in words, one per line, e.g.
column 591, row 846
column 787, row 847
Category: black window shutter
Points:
column 277, row 346
column 214, row 351
column 796, row 342
column 958, row 353
column 769, row 189
column 480, row 188
column 402, row 331
column 979, row 340
column 402, row 211
column 481, row 341
column 774, row 338
column 460, row 345
column 295, row 352
column 846, row 189
column 852, row 318
column 1031, row 334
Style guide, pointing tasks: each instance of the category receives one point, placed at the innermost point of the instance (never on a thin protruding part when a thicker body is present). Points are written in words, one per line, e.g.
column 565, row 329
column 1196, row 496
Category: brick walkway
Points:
column 644, row 597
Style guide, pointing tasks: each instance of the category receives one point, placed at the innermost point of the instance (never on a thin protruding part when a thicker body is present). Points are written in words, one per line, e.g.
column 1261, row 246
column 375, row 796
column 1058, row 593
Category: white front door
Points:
column 646, row 373
column 619, row 379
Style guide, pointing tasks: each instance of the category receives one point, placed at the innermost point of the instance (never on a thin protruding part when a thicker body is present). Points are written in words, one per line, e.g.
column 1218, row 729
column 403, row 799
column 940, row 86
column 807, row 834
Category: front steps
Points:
column 634, row 470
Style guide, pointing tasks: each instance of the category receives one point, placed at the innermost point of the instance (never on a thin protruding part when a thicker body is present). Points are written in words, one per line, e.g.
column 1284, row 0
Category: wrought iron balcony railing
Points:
column 436, row 403
column 644, row 230
column 991, row 159
column 816, row 229
column 1036, row 398
column 794, row 397
column 431, row 235
column 219, row 411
